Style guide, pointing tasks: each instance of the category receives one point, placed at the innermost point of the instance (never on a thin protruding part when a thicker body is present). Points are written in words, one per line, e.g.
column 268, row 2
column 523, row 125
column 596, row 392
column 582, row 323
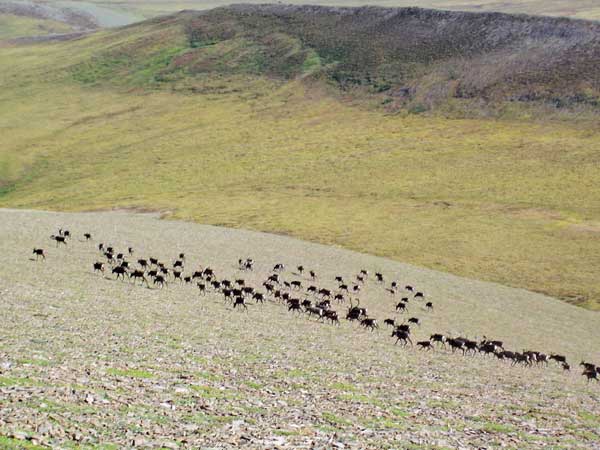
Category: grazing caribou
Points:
column 59, row 240
column 120, row 271
column 456, row 344
column 247, row 264
column 240, row 301
column 591, row 374
column 332, row 316
column 425, row 345
column 138, row 275
column 390, row 322
column 315, row 311
column 560, row 359
column 356, row 312
column 403, row 327
column 294, row 305
column 587, row 366
column 39, row 252
column 324, row 293
column 438, row 338
column 160, row 280
column 369, row 323
column 402, row 336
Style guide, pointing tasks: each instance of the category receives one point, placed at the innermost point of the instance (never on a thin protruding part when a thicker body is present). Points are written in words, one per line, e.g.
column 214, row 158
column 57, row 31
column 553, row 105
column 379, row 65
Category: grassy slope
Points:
column 510, row 201
column 111, row 362
column 12, row 26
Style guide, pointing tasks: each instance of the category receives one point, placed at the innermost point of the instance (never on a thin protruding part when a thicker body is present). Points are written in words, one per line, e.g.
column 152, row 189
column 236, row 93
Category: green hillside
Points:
column 253, row 118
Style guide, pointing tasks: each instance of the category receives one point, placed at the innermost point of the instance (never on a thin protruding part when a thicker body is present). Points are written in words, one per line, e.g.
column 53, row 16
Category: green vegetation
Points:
column 16, row 381
column 36, row 362
column 18, row 444
column 209, row 376
column 382, row 423
column 140, row 118
column 335, row 419
column 348, row 387
column 211, row 392
column 492, row 427
column 590, row 418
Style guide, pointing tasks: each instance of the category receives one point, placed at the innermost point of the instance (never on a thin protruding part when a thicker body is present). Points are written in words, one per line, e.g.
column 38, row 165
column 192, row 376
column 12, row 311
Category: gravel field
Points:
column 86, row 360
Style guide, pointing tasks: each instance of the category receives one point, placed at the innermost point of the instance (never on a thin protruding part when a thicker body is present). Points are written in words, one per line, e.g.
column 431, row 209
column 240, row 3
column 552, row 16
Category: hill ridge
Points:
column 409, row 58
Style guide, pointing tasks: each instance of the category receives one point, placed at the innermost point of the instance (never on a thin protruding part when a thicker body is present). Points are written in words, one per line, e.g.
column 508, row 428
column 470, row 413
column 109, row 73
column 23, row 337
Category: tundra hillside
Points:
column 463, row 142
column 90, row 359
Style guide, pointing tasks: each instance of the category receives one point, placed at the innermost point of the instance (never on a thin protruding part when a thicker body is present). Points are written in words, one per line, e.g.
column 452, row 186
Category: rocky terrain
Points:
column 88, row 360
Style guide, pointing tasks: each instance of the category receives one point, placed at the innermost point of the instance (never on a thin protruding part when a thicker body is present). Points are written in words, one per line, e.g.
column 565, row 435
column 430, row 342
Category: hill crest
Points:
column 410, row 57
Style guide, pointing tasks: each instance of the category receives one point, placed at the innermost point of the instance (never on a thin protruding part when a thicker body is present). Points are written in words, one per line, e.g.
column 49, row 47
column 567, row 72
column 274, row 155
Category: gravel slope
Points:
column 85, row 359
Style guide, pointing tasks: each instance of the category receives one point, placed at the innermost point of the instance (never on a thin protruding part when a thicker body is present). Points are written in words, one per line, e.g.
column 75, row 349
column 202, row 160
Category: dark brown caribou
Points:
column 39, row 252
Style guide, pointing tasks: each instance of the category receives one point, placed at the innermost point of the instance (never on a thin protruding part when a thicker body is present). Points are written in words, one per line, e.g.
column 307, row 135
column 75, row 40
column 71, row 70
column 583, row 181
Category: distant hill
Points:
column 415, row 58
column 27, row 18
column 35, row 18
column 582, row 9
column 78, row 20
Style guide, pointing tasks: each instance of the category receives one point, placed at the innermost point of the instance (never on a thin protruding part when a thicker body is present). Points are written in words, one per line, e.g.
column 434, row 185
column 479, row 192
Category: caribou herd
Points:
column 305, row 295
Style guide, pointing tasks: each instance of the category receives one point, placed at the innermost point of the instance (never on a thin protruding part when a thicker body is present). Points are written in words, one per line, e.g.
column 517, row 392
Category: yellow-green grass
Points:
column 12, row 26
column 512, row 201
